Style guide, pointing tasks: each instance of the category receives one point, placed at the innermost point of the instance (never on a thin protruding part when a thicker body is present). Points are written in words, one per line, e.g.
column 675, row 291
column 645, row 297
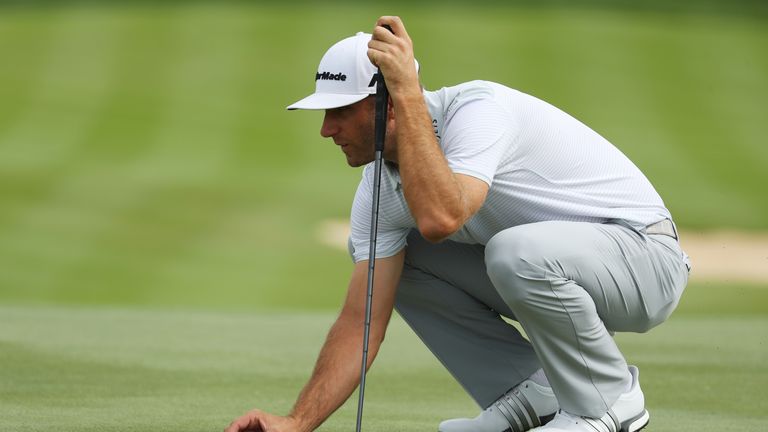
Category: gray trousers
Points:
column 568, row 284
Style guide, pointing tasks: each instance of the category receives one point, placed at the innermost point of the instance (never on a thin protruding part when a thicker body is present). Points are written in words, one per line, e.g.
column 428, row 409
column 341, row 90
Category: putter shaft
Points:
column 380, row 128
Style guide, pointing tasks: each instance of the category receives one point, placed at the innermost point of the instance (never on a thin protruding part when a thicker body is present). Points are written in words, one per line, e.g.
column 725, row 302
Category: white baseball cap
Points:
column 345, row 76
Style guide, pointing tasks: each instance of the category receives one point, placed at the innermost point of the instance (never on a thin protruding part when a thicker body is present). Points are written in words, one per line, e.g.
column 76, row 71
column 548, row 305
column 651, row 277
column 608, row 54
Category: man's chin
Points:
column 357, row 163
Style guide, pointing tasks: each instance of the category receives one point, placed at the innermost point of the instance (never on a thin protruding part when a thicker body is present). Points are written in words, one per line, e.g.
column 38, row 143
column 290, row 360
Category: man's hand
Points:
column 260, row 421
column 440, row 201
column 392, row 52
column 337, row 370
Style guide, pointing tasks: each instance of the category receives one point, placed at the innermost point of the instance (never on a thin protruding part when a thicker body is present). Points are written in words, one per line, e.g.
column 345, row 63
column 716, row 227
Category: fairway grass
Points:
column 146, row 156
column 107, row 369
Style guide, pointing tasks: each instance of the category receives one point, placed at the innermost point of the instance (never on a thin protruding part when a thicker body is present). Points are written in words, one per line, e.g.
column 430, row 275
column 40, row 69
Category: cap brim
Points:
column 320, row 101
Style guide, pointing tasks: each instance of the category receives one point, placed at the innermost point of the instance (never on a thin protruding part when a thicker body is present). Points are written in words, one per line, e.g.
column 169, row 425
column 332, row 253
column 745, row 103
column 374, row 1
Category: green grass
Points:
column 159, row 268
column 146, row 159
column 110, row 369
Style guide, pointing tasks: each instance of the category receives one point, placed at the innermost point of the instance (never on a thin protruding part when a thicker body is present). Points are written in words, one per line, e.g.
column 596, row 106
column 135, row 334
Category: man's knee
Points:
column 515, row 262
column 411, row 290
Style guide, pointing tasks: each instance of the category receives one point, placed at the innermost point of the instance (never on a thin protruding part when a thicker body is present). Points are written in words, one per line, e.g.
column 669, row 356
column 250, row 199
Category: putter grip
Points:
column 382, row 98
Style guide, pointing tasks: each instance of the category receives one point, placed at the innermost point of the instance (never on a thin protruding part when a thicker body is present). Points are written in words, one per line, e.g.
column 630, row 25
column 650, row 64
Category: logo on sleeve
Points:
column 328, row 76
column 436, row 129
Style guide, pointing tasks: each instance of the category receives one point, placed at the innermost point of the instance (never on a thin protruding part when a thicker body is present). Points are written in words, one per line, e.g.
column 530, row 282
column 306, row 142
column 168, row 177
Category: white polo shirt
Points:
column 540, row 163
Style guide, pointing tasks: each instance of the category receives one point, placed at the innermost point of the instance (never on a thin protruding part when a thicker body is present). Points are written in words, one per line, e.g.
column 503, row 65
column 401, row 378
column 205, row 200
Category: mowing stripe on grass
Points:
column 74, row 369
column 174, row 170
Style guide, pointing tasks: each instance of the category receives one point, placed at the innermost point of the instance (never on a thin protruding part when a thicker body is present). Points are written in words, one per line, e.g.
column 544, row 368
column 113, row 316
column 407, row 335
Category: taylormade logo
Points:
column 374, row 78
column 330, row 77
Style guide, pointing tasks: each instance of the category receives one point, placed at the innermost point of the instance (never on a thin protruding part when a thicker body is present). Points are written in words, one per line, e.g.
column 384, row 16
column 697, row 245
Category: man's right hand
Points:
column 337, row 370
column 260, row 421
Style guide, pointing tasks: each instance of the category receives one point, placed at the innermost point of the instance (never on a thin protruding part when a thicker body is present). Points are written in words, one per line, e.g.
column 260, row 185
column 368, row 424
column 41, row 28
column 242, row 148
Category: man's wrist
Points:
column 299, row 424
column 408, row 96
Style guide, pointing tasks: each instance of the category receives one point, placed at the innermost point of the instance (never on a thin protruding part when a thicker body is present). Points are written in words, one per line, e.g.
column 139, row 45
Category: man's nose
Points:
column 330, row 126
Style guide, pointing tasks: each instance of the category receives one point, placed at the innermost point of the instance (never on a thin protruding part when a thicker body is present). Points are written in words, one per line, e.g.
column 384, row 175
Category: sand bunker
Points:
column 717, row 256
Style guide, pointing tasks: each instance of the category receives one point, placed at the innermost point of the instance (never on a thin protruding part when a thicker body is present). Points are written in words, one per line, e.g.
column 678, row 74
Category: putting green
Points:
column 109, row 369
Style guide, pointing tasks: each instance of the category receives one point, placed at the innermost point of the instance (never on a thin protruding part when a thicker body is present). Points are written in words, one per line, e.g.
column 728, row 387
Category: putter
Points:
column 380, row 129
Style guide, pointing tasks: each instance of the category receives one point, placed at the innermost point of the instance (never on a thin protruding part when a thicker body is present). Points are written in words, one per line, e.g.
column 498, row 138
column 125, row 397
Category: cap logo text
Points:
column 374, row 78
column 327, row 76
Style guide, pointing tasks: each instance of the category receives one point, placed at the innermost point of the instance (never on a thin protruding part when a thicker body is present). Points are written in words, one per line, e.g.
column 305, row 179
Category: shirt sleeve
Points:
column 478, row 133
column 390, row 238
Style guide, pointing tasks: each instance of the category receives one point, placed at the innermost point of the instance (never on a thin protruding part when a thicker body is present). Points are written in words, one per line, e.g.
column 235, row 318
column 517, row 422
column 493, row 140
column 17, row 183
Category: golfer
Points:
column 493, row 204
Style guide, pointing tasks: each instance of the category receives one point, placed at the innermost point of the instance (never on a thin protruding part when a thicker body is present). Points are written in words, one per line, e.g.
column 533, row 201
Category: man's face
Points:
column 351, row 128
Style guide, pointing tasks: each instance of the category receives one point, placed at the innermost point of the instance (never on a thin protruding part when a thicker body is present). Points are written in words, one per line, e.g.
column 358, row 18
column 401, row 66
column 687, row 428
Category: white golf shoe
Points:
column 628, row 414
column 524, row 407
